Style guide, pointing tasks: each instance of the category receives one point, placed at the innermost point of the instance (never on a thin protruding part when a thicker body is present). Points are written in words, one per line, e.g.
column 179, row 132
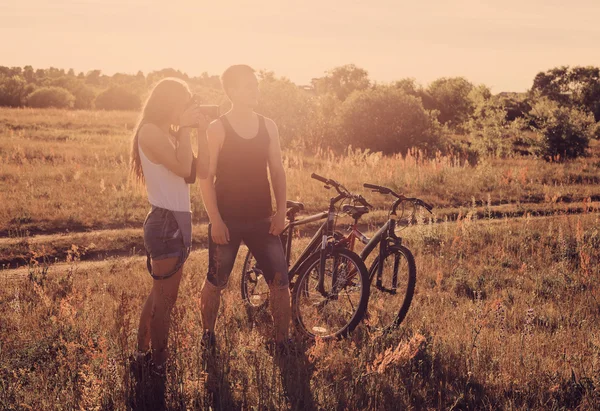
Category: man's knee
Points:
column 213, row 285
column 280, row 281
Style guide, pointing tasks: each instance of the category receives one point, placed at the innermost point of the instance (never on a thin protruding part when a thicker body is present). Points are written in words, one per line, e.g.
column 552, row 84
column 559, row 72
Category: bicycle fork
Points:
column 324, row 249
column 383, row 248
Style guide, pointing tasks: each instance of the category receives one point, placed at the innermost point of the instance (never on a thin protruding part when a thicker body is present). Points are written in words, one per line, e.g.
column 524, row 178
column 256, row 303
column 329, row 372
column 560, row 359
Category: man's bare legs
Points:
column 281, row 309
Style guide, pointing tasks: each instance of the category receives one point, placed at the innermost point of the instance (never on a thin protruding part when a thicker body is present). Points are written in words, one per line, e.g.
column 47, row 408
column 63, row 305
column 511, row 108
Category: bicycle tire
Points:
column 410, row 277
column 251, row 276
column 301, row 297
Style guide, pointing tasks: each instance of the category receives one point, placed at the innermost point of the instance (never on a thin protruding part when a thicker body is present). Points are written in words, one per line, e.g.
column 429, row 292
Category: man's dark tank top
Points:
column 241, row 183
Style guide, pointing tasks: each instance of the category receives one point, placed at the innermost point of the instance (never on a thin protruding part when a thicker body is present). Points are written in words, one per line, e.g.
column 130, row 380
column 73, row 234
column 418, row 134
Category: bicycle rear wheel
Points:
column 391, row 296
column 253, row 286
column 338, row 311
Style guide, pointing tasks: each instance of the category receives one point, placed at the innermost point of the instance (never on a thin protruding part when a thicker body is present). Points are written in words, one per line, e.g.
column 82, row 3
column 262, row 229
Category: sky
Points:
column 502, row 44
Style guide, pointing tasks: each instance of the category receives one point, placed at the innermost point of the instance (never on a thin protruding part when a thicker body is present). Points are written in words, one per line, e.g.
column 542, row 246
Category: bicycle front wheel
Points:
column 335, row 312
column 392, row 292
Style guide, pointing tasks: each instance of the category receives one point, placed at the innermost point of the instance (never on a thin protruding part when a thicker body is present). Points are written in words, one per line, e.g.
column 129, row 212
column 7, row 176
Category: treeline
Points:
column 29, row 87
column 555, row 119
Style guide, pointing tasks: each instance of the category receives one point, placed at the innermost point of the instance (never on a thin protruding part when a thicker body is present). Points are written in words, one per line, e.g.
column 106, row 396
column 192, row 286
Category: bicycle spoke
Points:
column 325, row 315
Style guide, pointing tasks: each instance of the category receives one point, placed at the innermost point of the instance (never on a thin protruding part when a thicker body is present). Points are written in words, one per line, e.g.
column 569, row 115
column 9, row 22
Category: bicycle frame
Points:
column 312, row 245
column 383, row 236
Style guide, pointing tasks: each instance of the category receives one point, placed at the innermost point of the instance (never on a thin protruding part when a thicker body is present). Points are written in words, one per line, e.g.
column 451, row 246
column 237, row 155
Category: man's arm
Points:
column 215, row 135
column 203, row 159
column 278, row 178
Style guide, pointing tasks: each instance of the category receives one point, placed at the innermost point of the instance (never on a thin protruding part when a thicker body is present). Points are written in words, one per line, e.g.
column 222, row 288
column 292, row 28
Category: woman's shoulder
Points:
column 149, row 130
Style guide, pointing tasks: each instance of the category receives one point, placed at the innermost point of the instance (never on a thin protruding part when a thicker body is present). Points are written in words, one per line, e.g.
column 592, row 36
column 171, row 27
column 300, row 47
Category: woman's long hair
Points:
column 158, row 109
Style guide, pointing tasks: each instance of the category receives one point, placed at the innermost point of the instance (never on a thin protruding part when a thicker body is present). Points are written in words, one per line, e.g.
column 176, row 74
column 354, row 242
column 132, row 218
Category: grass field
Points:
column 505, row 314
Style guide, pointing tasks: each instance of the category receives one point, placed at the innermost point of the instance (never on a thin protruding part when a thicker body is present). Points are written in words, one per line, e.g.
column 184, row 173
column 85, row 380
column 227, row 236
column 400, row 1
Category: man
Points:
column 242, row 145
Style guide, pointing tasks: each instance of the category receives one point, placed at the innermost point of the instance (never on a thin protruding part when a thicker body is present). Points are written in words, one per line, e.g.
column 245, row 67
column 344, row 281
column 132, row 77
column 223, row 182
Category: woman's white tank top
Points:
column 165, row 188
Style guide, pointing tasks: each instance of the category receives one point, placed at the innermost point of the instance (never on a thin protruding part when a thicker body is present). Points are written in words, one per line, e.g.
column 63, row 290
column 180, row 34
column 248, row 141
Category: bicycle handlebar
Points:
column 363, row 201
column 380, row 189
column 343, row 191
column 385, row 190
column 319, row 178
column 427, row 206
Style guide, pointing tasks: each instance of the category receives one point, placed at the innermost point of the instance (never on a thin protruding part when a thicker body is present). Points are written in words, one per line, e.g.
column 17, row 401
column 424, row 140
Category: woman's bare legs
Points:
column 155, row 320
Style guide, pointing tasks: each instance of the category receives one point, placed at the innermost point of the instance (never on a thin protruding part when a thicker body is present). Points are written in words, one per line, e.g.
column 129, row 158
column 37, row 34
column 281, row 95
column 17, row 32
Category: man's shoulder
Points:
column 271, row 126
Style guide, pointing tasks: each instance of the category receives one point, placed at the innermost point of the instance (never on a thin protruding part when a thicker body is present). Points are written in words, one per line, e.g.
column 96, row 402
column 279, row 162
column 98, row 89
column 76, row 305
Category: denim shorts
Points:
column 266, row 249
column 167, row 234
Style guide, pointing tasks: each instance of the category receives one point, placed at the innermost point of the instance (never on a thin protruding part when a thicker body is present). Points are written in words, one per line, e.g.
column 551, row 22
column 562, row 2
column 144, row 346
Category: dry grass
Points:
column 505, row 314
column 67, row 171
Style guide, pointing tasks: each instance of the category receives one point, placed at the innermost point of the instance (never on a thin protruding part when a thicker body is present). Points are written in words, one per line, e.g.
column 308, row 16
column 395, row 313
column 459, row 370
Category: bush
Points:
column 490, row 131
column 84, row 97
column 386, row 119
column 51, row 97
column 565, row 132
column 118, row 98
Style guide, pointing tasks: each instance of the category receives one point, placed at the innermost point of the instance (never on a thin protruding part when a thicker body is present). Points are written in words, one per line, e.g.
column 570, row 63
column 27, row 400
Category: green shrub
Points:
column 118, row 98
column 565, row 131
column 45, row 97
column 386, row 119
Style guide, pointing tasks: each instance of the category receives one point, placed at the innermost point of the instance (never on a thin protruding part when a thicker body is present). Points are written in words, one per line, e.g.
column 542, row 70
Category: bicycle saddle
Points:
column 293, row 207
column 355, row 211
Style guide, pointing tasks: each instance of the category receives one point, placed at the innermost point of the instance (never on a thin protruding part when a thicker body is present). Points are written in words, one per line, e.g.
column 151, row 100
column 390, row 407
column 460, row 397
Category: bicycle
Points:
column 331, row 292
column 393, row 273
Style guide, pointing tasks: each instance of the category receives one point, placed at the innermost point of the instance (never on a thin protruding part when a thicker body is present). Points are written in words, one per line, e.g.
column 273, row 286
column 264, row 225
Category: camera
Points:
column 209, row 110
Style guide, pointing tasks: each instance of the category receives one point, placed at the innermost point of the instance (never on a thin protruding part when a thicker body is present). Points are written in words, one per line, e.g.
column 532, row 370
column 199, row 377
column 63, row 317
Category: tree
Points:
column 488, row 127
column 118, row 98
column 451, row 99
column 565, row 131
column 155, row 76
column 291, row 107
column 342, row 81
column 577, row 87
column 386, row 119
column 93, row 77
column 45, row 97
column 29, row 74
column 13, row 90
column 517, row 105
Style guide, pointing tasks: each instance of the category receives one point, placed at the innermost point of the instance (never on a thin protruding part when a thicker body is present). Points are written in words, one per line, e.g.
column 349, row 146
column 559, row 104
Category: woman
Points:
column 163, row 162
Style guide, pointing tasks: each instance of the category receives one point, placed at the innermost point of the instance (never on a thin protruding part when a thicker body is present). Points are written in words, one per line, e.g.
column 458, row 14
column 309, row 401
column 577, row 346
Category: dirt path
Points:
column 86, row 262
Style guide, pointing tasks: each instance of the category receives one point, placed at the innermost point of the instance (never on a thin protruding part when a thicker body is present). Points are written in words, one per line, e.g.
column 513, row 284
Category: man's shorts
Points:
column 266, row 249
